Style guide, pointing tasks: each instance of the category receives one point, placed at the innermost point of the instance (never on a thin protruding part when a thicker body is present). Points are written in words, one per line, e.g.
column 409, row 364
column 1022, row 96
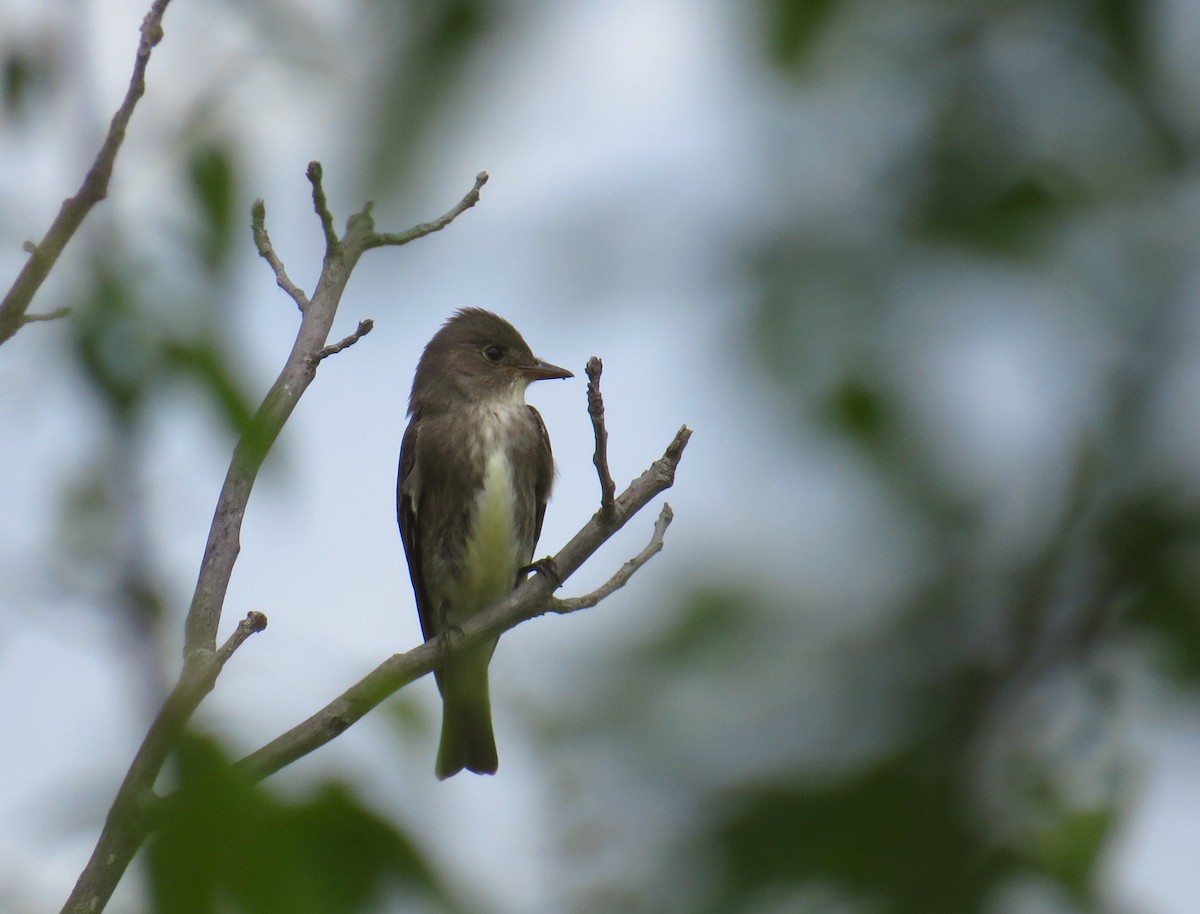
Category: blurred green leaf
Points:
column 981, row 194
column 226, row 845
column 791, row 28
column 213, row 182
column 25, row 73
column 705, row 624
column 17, row 75
column 1070, row 849
column 1123, row 24
column 432, row 44
column 211, row 368
column 117, row 342
column 1153, row 543
column 857, row 409
column 897, row 831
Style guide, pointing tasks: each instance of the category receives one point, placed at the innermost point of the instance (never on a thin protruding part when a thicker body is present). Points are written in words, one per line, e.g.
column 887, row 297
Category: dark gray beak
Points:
column 544, row 371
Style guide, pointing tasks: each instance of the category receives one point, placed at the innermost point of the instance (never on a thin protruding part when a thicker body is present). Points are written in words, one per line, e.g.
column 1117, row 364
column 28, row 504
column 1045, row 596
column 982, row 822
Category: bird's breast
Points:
column 493, row 552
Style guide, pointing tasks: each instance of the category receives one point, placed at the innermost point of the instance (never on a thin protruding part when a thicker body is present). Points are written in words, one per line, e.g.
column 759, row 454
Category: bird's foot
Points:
column 547, row 567
column 447, row 633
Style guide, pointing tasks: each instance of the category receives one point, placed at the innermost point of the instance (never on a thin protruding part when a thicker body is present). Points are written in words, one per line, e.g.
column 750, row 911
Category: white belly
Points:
column 492, row 558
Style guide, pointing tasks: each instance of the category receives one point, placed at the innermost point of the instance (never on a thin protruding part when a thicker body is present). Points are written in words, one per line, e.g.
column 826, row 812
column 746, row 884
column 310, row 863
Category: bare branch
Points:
column 624, row 573
column 44, row 254
column 531, row 599
column 321, row 205
column 608, row 488
column 48, row 316
column 364, row 327
column 128, row 820
column 254, row 623
column 428, row 228
column 262, row 241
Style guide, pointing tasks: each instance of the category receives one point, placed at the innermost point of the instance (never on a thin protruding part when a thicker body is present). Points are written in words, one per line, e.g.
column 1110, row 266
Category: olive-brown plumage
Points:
column 475, row 474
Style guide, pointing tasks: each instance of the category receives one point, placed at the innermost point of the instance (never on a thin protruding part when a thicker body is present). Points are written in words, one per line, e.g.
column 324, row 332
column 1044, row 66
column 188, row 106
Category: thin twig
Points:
column 262, row 241
column 44, row 254
column 254, row 623
column 608, row 488
column 364, row 327
column 380, row 239
column 321, row 205
column 624, row 573
column 48, row 316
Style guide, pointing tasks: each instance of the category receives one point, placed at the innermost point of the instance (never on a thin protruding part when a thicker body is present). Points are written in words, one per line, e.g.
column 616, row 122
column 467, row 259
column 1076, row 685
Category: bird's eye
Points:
column 493, row 353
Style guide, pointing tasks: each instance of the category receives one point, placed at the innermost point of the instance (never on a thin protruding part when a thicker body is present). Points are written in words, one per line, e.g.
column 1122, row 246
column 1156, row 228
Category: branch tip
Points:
column 262, row 242
column 48, row 316
column 595, row 407
column 674, row 450
column 315, row 175
column 624, row 573
column 253, row 623
column 365, row 326
column 381, row 239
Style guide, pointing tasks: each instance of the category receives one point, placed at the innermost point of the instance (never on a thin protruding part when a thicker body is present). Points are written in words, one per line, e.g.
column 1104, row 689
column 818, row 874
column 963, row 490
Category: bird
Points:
column 475, row 474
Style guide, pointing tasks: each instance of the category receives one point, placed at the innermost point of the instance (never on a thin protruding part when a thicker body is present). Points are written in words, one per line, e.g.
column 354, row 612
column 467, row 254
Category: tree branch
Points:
column 531, row 599
column 223, row 545
column 128, row 822
column 44, row 254
column 262, row 241
column 315, row 174
column 624, row 573
column 428, row 228
column 364, row 327
column 48, row 316
column 608, row 488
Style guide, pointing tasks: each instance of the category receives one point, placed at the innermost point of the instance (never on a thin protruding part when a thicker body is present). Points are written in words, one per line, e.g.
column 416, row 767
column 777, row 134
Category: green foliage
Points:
column 212, row 178
column 225, row 845
column 791, row 28
column 22, row 73
column 1154, row 541
column 209, row 366
column 857, row 410
column 897, row 831
column 1070, row 850
column 127, row 352
column 118, row 345
column 703, row 628
column 434, row 43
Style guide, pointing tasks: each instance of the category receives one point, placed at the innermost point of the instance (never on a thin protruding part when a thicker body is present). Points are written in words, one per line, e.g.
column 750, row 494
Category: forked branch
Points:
column 533, row 598
column 128, row 822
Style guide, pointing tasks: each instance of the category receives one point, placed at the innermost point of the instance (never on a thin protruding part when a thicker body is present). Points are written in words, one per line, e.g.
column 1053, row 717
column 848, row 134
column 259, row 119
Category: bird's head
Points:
column 477, row 357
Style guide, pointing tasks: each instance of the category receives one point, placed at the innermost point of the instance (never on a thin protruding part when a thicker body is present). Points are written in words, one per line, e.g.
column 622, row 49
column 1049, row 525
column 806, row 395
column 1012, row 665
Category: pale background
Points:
column 632, row 146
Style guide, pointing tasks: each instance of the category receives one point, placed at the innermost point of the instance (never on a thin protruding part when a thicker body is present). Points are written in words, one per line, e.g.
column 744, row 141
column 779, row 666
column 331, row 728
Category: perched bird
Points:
column 475, row 474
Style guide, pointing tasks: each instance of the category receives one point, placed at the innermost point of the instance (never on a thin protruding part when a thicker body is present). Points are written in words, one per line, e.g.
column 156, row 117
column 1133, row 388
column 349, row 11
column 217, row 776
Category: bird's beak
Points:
column 544, row 371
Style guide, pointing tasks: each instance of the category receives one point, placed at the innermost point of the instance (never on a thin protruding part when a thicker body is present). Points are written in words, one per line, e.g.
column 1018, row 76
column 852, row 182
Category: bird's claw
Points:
column 547, row 567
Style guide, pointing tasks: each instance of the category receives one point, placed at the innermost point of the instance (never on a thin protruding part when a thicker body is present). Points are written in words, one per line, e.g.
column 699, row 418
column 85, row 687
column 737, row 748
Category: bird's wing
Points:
column 545, row 476
column 406, row 513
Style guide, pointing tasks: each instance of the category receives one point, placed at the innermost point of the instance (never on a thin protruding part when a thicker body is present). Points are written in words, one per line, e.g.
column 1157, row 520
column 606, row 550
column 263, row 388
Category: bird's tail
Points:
column 467, row 739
